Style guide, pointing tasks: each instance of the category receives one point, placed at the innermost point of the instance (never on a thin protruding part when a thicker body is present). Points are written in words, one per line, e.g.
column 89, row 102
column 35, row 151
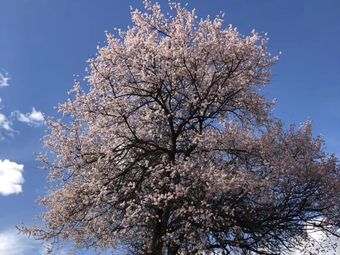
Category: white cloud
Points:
column 320, row 243
column 11, row 178
column 4, row 80
column 5, row 123
column 34, row 118
column 11, row 243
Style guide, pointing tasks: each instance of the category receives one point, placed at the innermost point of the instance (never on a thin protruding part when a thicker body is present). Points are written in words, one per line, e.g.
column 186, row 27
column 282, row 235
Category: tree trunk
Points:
column 159, row 229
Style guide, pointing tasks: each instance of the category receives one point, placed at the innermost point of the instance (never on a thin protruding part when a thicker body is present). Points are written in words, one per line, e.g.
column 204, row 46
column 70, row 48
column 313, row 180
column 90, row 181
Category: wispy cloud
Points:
column 11, row 179
column 4, row 78
column 34, row 118
column 5, row 123
column 12, row 243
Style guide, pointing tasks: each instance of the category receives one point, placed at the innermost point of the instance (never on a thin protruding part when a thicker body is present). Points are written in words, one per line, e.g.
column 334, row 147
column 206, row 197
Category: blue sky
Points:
column 44, row 43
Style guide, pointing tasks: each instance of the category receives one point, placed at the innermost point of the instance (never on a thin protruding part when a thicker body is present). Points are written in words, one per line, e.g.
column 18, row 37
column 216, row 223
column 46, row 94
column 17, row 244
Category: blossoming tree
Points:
column 173, row 150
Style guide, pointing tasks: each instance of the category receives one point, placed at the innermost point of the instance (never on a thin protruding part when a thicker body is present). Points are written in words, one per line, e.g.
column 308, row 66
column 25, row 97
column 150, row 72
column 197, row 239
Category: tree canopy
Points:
column 173, row 149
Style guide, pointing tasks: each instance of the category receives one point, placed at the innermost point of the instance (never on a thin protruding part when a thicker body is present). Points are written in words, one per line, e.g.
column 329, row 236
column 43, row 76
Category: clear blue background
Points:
column 44, row 43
